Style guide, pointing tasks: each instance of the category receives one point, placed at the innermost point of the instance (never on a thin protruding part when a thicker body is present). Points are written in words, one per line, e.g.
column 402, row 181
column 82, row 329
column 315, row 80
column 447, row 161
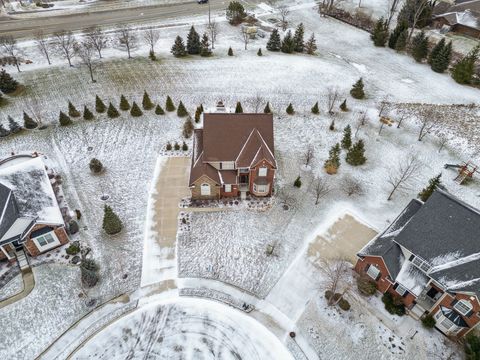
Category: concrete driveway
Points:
column 159, row 261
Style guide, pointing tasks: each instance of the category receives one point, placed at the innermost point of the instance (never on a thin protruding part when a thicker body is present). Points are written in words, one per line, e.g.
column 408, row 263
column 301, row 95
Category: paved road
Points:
column 23, row 28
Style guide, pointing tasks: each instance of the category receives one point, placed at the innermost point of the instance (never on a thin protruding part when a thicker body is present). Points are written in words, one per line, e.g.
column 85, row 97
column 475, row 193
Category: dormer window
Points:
column 262, row 171
column 463, row 307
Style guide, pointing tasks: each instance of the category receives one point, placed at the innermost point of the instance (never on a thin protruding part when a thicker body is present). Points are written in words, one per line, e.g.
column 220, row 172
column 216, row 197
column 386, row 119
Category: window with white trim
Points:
column 228, row 188
column 373, row 272
column 463, row 307
column 260, row 189
column 262, row 171
column 46, row 241
column 205, row 189
column 401, row 290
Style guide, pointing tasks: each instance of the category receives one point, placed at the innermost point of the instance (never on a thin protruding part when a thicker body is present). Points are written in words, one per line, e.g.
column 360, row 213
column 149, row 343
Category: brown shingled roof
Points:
column 254, row 150
column 225, row 134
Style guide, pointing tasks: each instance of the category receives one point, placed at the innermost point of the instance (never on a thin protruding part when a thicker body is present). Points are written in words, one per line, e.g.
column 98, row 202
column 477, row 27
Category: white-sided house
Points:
column 30, row 217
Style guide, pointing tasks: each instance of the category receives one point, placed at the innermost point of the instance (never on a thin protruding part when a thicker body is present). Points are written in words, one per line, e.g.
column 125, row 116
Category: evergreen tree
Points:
column 135, row 111
column 311, row 45
column 290, row 110
column 64, row 119
column 230, row 51
column 198, row 113
column 178, row 48
column 176, row 146
column 433, row 183
column 184, row 146
column 159, row 110
column 274, row 43
column 235, row 12
column 169, row 104
column 13, row 125
column 7, row 82
column 72, row 111
column 298, row 182
column 464, row 69
column 380, row 33
column 193, row 42
column 169, row 146
column 112, row 111
column 298, row 38
column 333, row 162
column 205, row 46
column 124, row 105
column 441, row 62
column 259, row 52
column 238, row 108
column 394, row 36
column 437, row 49
column 267, row 109
column 99, row 105
column 288, row 43
column 401, row 43
column 420, row 47
column 87, row 114
column 347, row 137
column 188, row 128
column 146, row 102
column 3, row 132
column 356, row 154
column 343, row 105
column 181, row 111
column 89, row 272
column 111, row 222
column 28, row 122
column 151, row 55
column 95, row 166
column 357, row 91
column 315, row 109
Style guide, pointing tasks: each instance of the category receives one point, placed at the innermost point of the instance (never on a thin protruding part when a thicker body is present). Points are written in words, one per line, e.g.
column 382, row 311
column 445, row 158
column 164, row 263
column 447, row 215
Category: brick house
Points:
column 30, row 217
column 233, row 155
column 429, row 257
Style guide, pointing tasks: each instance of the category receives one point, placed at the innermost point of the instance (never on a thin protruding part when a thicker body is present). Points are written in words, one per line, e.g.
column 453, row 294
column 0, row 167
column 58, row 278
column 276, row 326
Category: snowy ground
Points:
column 187, row 329
column 129, row 148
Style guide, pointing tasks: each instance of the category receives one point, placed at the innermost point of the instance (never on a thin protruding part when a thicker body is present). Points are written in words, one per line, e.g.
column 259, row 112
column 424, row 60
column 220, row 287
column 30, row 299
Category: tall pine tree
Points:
column 420, row 46
column 441, row 62
column 437, row 49
column 380, row 33
column 399, row 29
column 99, row 105
column 401, row 43
column 356, row 154
column 311, row 45
column 181, row 111
column 7, row 83
column 333, row 162
column 298, row 38
column 3, row 132
column 238, row 108
column 178, row 48
column 169, row 104
column 146, row 102
column 135, row 111
column 288, row 43
column 274, row 43
column 13, row 125
column 28, row 122
column 87, row 114
column 112, row 111
column 464, row 69
column 124, row 105
column 193, row 42
column 64, row 119
column 357, row 91
column 72, row 111
column 347, row 137
column 205, row 46
column 267, row 109
column 433, row 183
column 111, row 222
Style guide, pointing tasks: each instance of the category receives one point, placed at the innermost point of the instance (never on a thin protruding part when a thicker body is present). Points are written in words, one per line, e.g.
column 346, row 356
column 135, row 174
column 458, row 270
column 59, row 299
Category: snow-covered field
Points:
column 236, row 244
column 187, row 329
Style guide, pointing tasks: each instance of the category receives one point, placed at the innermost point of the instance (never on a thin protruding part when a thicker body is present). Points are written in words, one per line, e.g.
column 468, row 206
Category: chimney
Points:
column 220, row 107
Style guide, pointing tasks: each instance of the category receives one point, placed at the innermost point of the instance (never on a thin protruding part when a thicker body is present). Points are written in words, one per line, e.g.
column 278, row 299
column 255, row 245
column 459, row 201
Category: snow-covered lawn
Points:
column 185, row 329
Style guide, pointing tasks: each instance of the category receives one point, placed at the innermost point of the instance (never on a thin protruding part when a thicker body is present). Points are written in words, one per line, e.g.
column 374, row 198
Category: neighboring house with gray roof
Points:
column 461, row 17
column 30, row 217
column 429, row 257
column 233, row 155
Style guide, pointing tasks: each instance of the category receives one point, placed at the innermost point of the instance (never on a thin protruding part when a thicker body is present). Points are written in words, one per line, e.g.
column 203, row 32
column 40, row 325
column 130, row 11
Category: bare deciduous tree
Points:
column 245, row 36
column 308, row 155
column 333, row 96
column 43, row 45
column 400, row 121
column 418, row 8
column 284, row 11
column 257, row 101
column 321, row 188
column 151, row 37
column 351, row 186
column 427, row 122
column 212, row 28
column 65, row 43
column 9, row 46
column 97, row 38
column 287, row 200
column 442, row 141
column 86, row 51
column 127, row 40
column 392, row 7
column 401, row 177
column 326, row 6
column 382, row 106
column 336, row 273
column 35, row 109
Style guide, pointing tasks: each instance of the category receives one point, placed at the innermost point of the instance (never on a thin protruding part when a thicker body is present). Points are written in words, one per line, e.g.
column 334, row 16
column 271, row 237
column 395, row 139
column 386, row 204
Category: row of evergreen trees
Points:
column 292, row 43
column 355, row 152
column 438, row 58
column 195, row 45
